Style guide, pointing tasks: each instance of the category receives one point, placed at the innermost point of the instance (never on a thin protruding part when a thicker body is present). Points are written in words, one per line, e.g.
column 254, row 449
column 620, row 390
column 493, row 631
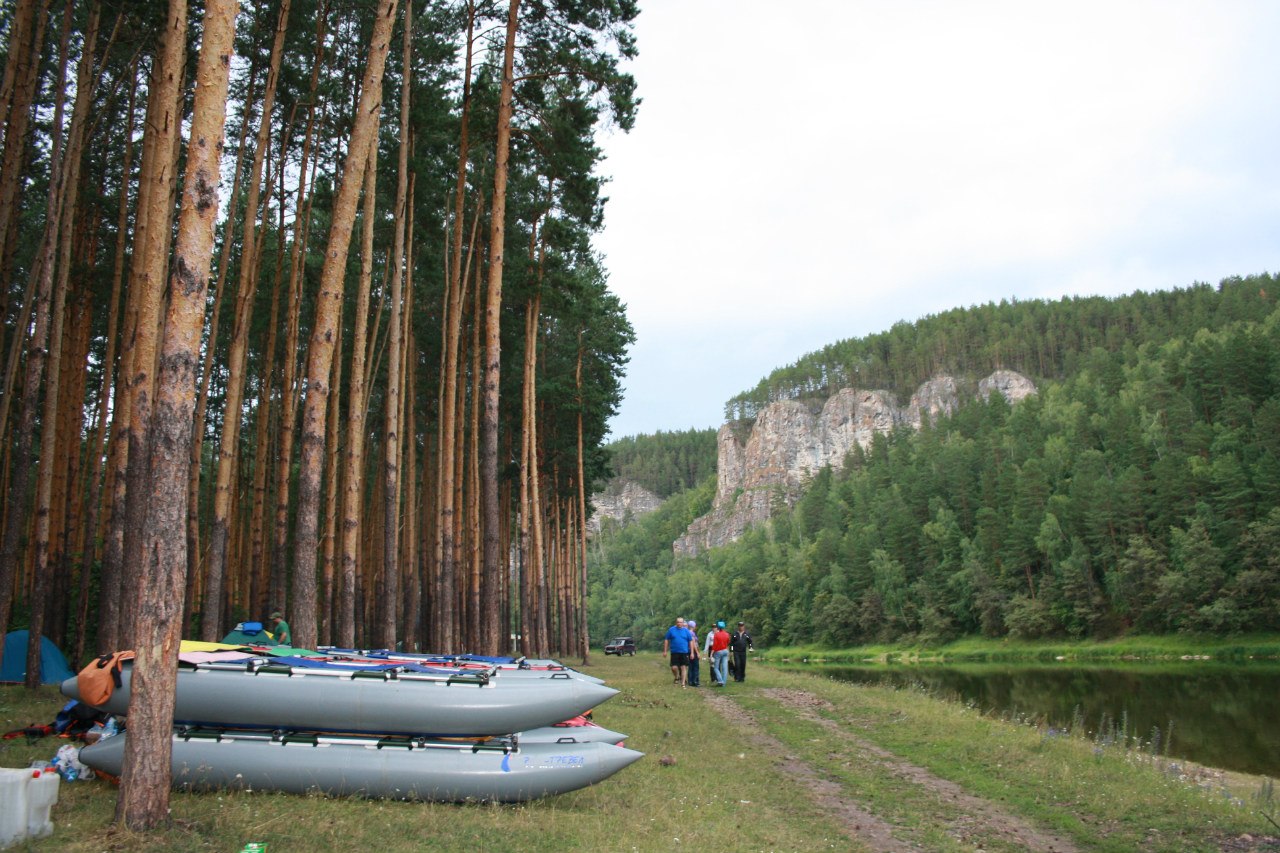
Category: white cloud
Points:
column 802, row 175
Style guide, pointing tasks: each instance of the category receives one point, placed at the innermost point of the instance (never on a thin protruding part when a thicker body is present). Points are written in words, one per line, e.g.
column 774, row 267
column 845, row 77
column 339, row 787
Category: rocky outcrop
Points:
column 621, row 500
column 790, row 441
column 1014, row 386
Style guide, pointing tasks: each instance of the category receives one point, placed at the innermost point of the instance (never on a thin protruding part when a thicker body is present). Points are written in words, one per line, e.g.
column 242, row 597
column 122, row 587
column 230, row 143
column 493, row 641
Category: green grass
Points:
column 718, row 789
column 975, row 649
column 1105, row 799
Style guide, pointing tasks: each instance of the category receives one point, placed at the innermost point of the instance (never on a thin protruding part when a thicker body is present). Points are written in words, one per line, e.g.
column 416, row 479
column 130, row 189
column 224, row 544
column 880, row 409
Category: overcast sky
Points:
column 809, row 171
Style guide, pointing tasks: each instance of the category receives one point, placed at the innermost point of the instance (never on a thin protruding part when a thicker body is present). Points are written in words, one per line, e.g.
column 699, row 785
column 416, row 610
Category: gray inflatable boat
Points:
column 269, row 696
column 504, row 770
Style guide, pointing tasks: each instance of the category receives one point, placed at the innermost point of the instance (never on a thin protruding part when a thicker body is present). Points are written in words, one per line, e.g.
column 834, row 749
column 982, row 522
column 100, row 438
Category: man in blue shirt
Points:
column 677, row 643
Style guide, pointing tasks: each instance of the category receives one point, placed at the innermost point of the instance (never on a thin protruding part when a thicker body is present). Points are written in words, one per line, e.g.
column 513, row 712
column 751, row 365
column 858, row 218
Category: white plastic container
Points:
column 42, row 794
column 26, row 798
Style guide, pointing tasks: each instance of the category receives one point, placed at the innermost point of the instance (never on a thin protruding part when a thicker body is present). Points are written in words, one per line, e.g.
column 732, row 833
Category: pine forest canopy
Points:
column 666, row 462
column 341, row 466
column 1139, row 490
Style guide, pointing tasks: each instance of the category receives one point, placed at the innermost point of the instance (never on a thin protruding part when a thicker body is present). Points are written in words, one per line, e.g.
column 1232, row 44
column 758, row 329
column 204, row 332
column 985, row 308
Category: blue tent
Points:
column 13, row 669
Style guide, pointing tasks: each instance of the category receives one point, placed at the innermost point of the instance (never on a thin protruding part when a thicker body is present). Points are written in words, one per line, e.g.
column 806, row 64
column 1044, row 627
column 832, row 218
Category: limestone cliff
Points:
column 790, row 441
column 621, row 500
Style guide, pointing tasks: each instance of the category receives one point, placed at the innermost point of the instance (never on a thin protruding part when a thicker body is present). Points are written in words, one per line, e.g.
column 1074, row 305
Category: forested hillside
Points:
column 1139, row 490
column 1043, row 340
column 666, row 462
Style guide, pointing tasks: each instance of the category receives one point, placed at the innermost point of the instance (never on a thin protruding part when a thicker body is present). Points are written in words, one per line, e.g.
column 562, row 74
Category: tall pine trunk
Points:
column 144, row 785
column 229, row 447
column 353, row 482
column 583, row 636
column 324, row 332
column 390, row 593
column 146, row 289
column 196, row 462
column 61, row 233
column 492, row 557
column 37, row 357
column 450, row 381
column 95, row 469
column 17, row 92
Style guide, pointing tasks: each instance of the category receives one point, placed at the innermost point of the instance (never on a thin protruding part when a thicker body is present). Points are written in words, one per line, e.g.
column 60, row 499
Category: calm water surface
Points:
column 1225, row 716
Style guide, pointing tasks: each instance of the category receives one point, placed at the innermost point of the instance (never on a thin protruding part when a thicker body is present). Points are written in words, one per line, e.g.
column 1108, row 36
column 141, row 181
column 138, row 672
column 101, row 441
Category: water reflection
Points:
column 1219, row 715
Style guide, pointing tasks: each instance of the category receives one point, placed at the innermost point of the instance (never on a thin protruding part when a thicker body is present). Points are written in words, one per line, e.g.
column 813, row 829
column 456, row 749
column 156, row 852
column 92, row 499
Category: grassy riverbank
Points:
column 977, row 649
column 772, row 764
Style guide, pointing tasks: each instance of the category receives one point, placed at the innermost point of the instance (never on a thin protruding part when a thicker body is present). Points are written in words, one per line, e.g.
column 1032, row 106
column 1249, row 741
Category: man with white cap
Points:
column 695, row 659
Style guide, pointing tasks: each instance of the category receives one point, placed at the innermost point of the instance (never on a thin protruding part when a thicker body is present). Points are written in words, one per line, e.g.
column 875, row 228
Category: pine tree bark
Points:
column 539, row 598
column 583, row 635
column 211, row 624
column 469, row 529
column 390, row 593
column 492, row 556
column 194, row 573
column 288, row 389
column 18, row 501
column 327, row 612
column 68, row 498
column 288, row 413
column 109, row 575
column 17, row 92
column 146, row 285
column 450, row 381
column 528, row 618
column 144, row 785
column 412, row 619
column 264, row 587
column 352, row 481
column 320, row 350
column 61, row 232
column 20, row 25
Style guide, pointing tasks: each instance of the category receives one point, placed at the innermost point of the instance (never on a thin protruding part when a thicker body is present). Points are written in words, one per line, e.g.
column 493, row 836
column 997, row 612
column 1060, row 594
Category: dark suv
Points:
column 620, row 646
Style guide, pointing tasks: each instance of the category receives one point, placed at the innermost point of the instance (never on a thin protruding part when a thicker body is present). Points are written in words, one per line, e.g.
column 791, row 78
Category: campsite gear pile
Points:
column 369, row 723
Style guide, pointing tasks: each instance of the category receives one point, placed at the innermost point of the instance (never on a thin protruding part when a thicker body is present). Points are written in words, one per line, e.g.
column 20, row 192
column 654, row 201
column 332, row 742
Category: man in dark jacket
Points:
column 739, row 643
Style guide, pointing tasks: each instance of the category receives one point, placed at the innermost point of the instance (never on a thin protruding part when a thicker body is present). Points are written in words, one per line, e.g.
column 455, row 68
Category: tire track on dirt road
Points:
column 859, row 824
column 983, row 817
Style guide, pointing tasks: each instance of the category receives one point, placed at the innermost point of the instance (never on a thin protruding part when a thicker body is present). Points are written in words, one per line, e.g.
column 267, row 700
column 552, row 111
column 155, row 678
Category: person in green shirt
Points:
column 280, row 628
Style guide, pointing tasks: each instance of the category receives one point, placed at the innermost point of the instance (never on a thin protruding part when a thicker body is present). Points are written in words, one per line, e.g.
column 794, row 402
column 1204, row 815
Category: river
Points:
column 1220, row 715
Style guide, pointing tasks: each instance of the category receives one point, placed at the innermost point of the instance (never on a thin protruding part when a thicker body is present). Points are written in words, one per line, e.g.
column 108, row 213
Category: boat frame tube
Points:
column 389, row 701
column 502, row 770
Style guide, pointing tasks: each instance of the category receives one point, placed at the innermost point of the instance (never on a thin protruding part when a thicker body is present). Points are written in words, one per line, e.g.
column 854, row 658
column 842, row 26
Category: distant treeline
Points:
column 1045, row 340
column 666, row 462
column 1139, row 490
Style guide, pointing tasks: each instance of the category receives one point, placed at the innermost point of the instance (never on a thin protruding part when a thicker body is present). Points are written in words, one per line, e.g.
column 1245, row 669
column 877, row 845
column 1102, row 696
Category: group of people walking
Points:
column 727, row 653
